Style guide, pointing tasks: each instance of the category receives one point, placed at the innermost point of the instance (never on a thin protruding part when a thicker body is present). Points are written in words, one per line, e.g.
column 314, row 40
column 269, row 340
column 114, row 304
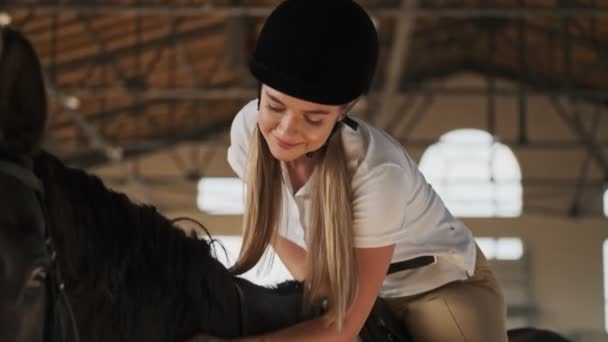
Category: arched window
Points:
column 475, row 175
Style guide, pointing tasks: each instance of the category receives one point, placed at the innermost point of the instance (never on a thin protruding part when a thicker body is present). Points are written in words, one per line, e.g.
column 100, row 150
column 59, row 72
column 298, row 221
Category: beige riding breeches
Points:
column 471, row 310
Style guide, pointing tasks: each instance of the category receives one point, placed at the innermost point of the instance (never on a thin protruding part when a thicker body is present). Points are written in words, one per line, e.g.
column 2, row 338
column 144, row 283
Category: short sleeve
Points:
column 240, row 133
column 379, row 205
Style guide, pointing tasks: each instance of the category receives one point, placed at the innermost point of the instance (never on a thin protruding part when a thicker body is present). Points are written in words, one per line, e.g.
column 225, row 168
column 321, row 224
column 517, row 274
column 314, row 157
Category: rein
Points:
column 55, row 323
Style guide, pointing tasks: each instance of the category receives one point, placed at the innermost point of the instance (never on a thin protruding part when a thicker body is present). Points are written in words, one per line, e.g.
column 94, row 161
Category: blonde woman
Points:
column 340, row 201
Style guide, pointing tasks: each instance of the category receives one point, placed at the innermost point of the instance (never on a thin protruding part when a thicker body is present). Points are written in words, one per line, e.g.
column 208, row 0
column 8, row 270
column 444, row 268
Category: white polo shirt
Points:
column 393, row 204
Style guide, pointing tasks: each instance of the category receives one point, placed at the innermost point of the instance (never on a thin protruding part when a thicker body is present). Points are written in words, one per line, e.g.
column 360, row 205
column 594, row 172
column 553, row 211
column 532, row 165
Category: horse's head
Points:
column 23, row 260
column 24, row 257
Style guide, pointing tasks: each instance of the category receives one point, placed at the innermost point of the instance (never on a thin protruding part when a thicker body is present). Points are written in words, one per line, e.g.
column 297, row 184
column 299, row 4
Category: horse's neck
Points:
column 168, row 286
column 133, row 251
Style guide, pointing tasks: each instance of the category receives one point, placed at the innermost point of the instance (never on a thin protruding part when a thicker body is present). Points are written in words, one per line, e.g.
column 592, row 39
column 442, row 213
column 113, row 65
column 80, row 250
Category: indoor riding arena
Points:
column 502, row 104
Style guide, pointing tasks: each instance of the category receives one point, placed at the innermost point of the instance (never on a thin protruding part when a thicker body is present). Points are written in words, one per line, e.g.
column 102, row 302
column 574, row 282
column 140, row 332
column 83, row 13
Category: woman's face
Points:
column 294, row 127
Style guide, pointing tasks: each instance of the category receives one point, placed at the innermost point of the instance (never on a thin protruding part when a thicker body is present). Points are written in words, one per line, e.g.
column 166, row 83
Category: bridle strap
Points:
column 55, row 322
column 22, row 174
column 57, row 293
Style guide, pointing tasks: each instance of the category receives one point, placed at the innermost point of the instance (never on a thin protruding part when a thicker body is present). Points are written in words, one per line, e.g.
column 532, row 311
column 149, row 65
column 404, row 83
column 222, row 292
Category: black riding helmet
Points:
column 322, row 51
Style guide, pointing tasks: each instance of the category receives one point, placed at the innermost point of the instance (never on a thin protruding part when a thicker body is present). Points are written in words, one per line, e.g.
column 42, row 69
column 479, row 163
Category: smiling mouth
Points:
column 284, row 144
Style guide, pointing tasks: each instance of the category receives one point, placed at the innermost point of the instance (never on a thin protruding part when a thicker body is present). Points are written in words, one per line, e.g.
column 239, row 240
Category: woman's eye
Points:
column 314, row 122
column 273, row 109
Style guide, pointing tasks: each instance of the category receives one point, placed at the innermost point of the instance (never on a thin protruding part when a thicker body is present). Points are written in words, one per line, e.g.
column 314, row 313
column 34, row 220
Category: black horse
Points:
column 129, row 273
column 132, row 275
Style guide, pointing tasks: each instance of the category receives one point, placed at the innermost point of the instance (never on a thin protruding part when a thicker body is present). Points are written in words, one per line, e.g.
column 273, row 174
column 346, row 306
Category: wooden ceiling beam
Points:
column 167, row 40
column 90, row 158
column 263, row 11
column 396, row 64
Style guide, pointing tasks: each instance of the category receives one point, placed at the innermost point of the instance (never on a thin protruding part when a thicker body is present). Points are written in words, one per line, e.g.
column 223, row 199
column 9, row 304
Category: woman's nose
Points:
column 289, row 124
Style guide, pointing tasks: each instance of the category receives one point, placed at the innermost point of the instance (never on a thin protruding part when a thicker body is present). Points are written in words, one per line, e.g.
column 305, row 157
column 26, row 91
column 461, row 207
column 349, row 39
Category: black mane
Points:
column 126, row 266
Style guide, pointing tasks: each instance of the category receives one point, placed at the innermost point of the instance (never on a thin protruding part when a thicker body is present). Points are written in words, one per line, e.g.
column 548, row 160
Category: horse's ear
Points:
column 23, row 110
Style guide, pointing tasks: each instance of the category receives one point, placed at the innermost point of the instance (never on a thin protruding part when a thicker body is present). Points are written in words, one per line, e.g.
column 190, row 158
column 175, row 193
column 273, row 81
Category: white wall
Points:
column 565, row 257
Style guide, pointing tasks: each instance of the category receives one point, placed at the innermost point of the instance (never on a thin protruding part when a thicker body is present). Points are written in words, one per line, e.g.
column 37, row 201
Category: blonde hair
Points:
column 330, row 265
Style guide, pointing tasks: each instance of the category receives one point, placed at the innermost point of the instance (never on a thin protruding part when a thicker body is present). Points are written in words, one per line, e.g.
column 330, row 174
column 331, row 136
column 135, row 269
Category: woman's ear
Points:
column 348, row 107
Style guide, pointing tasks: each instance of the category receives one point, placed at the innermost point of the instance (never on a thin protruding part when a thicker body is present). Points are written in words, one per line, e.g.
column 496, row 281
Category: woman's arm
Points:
column 372, row 265
column 292, row 256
